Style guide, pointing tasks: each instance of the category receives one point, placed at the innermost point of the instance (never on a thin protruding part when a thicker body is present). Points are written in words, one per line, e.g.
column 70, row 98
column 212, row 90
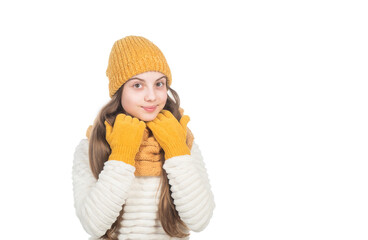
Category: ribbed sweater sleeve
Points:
column 191, row 188
column 99, row 202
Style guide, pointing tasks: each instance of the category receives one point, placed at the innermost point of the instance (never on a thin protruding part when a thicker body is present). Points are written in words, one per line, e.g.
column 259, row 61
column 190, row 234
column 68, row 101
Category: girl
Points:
column 140, row 174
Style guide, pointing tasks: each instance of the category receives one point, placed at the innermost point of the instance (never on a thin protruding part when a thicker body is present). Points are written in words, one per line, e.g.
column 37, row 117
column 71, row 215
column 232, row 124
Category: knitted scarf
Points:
column 150, row 157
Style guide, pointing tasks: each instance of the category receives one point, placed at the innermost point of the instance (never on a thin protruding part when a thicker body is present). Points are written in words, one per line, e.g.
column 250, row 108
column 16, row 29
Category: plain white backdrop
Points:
column 276, row 92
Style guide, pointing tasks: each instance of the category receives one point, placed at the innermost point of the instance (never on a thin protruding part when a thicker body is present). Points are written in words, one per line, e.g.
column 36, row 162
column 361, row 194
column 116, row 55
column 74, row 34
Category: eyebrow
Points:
column 135, row 78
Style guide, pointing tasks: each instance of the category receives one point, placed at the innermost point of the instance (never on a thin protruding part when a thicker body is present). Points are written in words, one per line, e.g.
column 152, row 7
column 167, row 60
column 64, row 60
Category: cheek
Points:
column 163, row 96
column 127, row 100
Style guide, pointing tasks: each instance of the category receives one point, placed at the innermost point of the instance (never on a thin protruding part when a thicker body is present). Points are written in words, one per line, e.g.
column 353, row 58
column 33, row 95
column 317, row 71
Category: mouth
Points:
column 150, row 108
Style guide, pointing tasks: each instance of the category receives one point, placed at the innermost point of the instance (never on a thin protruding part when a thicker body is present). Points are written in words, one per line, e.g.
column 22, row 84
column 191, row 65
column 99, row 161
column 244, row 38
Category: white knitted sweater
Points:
column 98, row 202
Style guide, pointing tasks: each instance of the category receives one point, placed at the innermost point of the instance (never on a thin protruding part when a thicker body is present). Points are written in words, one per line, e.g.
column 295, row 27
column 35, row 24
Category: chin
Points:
column 147, row 119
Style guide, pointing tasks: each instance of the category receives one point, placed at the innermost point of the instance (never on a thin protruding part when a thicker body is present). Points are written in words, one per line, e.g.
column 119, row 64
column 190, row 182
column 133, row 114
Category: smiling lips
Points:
column 150, row 109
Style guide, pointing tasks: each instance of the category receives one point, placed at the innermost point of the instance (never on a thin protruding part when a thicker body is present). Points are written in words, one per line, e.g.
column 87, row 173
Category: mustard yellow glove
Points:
column 124, row 138
column 170, row 134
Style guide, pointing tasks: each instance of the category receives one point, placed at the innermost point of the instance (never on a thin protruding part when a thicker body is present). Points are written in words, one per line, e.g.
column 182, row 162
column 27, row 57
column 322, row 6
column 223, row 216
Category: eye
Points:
column 135, row 84
column 163, row 84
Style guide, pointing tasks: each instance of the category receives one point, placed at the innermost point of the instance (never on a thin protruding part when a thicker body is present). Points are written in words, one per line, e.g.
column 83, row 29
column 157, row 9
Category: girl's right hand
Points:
column 125, row 138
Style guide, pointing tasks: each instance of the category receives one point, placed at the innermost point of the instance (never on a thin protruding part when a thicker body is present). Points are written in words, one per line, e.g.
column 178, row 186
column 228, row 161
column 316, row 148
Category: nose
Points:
column 150, row 95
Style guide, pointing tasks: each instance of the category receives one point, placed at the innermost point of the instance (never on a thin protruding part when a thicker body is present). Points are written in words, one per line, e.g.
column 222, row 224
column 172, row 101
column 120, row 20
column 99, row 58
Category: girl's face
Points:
column 144, row 90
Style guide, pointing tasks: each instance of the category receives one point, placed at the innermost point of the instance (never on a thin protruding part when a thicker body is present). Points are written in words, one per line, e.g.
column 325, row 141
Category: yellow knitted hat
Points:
column 131, row 56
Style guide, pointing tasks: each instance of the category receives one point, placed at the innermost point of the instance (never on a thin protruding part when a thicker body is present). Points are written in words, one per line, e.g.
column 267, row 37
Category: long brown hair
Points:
column 99, row 151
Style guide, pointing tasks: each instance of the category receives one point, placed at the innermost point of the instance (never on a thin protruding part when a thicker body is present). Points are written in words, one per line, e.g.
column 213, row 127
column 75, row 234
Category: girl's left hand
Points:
column 170, row 134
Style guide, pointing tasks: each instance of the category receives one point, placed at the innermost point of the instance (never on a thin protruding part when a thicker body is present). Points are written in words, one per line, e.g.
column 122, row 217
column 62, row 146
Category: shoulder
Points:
column 81, row 151
column 82, row 146
column 195, row 147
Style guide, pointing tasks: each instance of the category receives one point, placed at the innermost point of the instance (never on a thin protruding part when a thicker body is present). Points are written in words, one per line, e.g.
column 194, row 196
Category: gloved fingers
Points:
column 108, row 129
column 184, row 121
column 167, row 114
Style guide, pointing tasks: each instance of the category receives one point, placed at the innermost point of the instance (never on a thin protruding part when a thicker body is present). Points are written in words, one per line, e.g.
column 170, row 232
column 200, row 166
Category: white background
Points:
column 276, row 92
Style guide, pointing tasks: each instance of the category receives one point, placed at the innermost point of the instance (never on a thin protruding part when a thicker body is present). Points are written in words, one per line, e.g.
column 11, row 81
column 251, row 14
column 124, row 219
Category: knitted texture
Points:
column 148, row 161
column 150, row 157
column 170, row 133
column 131, row 56
column 124, row 138
column 98, row 202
